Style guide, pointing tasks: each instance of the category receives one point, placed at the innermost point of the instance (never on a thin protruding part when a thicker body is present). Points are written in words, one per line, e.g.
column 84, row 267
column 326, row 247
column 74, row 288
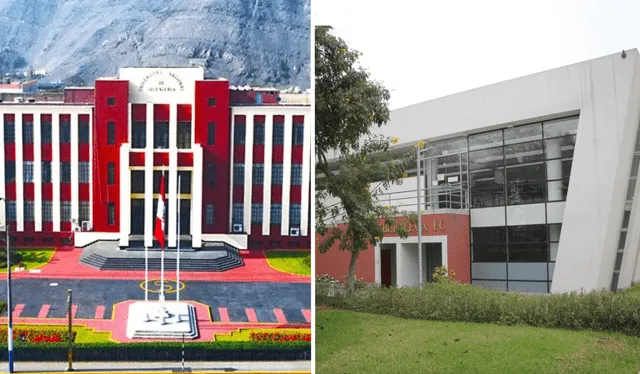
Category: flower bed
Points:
column 34, row 335
column 279, row 337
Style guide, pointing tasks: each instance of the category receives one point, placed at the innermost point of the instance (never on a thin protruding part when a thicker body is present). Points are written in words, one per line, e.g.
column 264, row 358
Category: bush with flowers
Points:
column 36, row 335
column 279, row 337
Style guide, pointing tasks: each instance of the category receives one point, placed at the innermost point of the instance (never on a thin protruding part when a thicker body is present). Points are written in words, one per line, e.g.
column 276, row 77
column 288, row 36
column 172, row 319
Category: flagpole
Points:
column 178, row 247
column 146, row 281
column 162, row 264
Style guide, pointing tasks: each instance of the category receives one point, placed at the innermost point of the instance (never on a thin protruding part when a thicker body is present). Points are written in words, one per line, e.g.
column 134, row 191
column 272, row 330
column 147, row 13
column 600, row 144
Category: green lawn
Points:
column 634, row 290
column 350, row 342
column 32, row 258
column 293, row 262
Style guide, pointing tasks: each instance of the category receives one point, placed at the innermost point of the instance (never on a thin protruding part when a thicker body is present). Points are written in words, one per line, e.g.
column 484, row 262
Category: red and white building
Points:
column 88, row 168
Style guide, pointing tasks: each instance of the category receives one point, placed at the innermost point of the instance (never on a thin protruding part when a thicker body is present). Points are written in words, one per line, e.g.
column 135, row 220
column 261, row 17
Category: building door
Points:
column 388, row 265
column 137, row 211
column 185, row 217
column 433, row 259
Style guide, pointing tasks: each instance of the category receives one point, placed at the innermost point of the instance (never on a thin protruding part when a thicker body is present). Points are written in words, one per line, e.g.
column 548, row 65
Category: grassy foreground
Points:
column 32, row 258
column 350, row 342
column 292, row 262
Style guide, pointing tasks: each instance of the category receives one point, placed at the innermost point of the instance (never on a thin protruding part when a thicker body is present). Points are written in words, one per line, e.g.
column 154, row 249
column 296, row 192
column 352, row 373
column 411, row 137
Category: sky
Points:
column 423, row 50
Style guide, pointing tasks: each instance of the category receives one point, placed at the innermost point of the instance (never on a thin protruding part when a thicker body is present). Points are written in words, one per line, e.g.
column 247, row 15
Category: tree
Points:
column 349, row 157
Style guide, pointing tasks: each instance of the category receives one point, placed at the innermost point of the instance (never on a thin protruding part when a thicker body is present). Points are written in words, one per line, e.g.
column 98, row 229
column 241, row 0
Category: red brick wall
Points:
column 455, row 226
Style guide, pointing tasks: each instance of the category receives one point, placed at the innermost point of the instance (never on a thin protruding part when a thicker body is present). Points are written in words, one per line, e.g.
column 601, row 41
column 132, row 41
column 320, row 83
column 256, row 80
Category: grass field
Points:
column 32, row 258
column 350, row 342
column 292, row 262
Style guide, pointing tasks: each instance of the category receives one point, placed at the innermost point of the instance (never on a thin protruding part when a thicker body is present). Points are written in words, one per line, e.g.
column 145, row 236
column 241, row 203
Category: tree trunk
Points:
column 351, row 279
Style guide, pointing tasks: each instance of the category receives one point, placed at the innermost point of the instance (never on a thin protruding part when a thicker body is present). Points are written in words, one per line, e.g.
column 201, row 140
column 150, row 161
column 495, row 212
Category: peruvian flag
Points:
column 159, row 229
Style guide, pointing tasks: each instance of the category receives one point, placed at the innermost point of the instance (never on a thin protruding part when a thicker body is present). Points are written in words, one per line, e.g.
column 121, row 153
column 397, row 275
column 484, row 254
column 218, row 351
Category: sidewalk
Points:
column 298, row 367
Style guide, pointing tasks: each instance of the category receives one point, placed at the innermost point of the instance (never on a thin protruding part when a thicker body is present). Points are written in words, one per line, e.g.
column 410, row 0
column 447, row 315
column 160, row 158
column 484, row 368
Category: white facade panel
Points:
column 487, row 217
column 529, row 214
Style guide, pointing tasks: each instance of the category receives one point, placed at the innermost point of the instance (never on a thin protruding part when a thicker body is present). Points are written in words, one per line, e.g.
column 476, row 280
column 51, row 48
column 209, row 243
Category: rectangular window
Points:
column 47, row 211
column 27, row 171
column 161, row 135
column 45, row 132
column 157, row 177
column 46, row 171
column 111, row 173
column 9, row 171
column 209, row 214
column 137, row 181
column 9, row 132
column 528, row 243
column 185, row 181
column 83, row 172
column 111, row 214
column 238, row 173
column 294, row 214
column 65, row 211
column 184, row 135
column 139, row 135
column 27, row 132
column 84, row 212
column 258, row 174
column 212, row 133
column 83, row 132
column 276, row 213
column 212, row 101
column 239, row 134
column 111, row 101
column 489, row 244
column 237, row 214
column 28, row 211
column 258, row 133
column 296, row 174
column 256, row 213
column 65, row 172
column 298, row 134
column 65, row 132
column 278, row 134
column 276, row 174
column 211, row 174
column 111, row 133
column 11, row 211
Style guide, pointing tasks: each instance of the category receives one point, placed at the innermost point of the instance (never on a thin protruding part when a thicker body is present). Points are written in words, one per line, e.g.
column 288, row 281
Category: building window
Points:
column 111, row 173
column 27, row 132
column 256, row 213
column 185, row 181
column 28, row 211
column 11, row 211
column 65, row 211
column 528, row 243
column 46, row 171
column 161, row 135
column 111, row 214
column 65, row 132
column 237, row 216
column 298, row 134
column 65, row 172
column 239, row 134
column 27, row 171
column 9, row 171
column 489, row 244
column 184, row 135
column 294, row 214
column 83, row 172
column 47, row 211
column 84, row 212
column 212, row 101
column 9, row 132
column 157, row 177
column 212, row 133
column 209, row 214
column 111, row 133
column 276, row 174
column 276, row 213
column 83, row 132
column 258, row 174
column 111, row 101
column 211, row 174
column 137, row 181
column 278, row 134
column 238, row 173
column 296, row 174
column 258, row 133
column 45, row 132
column 139, row 135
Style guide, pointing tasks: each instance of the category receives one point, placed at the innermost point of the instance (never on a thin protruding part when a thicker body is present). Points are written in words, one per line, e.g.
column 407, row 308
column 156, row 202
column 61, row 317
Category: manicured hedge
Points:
column 452, row 301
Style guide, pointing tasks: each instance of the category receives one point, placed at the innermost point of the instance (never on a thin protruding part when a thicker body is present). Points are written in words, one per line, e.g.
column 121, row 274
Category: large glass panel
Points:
column 535, row 287
column 447, row 147
column 488, row 244
column 528, row 271
column 487, row 179
column 560, row 127
column 525, row 184
column 528, row 243
column 489, row 270
column 485, row 140
column 524, row 133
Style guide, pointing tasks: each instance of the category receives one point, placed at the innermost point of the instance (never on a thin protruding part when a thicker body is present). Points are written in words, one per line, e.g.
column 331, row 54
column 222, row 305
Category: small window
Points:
column 276, row 174
column 212, row 133
column 139, row 135
column 184, row 135
column 111, row 173
column 27, row 132
column 45, row 132
column 298, row 134
column 258, row 133
column 258, row 174
column 276, row 213
column 256, row 213
column 84, row 211
column 137, row 181
column 111, row 213
column 111, row 101
column 83, row 172
column 211, row 174
column 65, row 211
column 65, row 132
column 296, row 174
column 9, row 171
column 278, row 134
column 28, row 211
column 83, row 133
column 65, row 172
column 239, row 134
column 212, row 101
column 238, row 174
column 9, row 132
column 27, row 171
column 111, row 133
column 46, row 171
column 47, row 211
column 209, row 214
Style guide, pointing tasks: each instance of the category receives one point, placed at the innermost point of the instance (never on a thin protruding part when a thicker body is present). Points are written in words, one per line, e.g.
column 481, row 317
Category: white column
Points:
column 148, row 180
column 231, row 168
column 376, row 256
column 3, row 219
column 306, row 178
column 125, row 196
column 37, row 172
column 19, row 179
column 248, row 172
column 268, row 155
column 55, row 171
column 286, row 174
column 75, row 175
column 196, row 198
column 173, row 174
column 554, row 169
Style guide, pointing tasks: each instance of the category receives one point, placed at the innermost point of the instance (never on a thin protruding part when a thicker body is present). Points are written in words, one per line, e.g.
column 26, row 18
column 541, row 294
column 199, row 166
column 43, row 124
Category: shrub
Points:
column 448, row 300
column 307, row 260
column 325, row 278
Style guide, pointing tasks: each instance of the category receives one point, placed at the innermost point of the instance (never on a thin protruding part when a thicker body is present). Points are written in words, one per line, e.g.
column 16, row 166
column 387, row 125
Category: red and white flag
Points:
column 159, row 229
